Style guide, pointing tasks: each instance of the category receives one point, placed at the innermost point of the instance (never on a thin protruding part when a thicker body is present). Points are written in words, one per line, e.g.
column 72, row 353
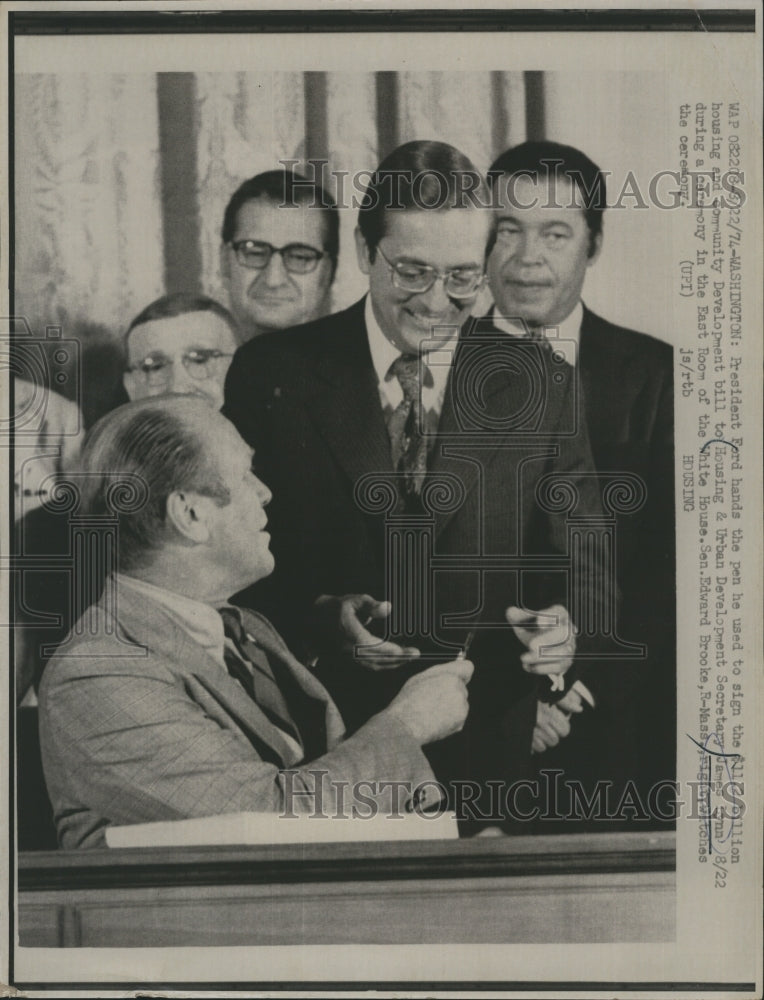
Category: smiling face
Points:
column 445, row 240
column 274, row 298
column 542, row 252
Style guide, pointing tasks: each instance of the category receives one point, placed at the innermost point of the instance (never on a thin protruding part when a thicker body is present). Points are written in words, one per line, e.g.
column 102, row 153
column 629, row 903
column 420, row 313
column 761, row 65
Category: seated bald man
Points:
column 172, row 703
column 180, row 343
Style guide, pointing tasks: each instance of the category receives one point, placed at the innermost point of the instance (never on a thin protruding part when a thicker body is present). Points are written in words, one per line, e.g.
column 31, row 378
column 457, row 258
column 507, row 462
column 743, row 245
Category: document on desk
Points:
column 270, row 828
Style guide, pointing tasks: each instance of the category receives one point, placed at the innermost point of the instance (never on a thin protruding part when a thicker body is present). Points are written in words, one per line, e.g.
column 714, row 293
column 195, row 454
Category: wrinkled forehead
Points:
column 173, row 335
column 280, row 224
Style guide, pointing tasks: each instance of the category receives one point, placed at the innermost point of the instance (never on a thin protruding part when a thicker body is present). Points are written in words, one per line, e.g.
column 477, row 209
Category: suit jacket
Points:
column 138, row 723
column 628, row 390
column 307, row 400
column 626, row 383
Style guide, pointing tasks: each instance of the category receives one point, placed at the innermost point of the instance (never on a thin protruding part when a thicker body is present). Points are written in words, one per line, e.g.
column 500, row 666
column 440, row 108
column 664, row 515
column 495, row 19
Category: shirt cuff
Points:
column 584, row 691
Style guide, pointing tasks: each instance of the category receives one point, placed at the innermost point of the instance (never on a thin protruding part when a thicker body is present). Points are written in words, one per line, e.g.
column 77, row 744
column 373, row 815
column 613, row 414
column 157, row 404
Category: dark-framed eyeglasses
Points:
column 201, row 363
column 298, row 258
column 458, row 282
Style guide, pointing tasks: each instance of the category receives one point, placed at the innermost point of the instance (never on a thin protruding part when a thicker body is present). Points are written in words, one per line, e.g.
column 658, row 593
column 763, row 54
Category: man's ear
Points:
column 595, row 248
column 362, row 252
column 189, row 513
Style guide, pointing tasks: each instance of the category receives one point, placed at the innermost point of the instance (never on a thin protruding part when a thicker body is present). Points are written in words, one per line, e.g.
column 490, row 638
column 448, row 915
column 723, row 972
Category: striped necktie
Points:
column 258, row 675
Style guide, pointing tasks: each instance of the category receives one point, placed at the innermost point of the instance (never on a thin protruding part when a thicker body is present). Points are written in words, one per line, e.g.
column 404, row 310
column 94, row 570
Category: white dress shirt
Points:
column 384, row 353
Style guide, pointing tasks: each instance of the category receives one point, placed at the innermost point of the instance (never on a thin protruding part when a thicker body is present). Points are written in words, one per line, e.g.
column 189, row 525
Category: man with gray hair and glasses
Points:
column 181, row 343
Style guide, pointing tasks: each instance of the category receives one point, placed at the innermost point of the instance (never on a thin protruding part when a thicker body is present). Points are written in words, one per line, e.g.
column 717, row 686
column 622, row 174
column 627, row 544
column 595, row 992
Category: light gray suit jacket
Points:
column 138, row 723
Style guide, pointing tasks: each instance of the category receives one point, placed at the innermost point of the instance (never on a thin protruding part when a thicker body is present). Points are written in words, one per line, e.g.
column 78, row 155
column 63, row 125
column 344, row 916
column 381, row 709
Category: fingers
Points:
column 571, row 702
column 551, row 726
column 548, row 627
column 369, row 608
column 537, row 743
column 550, row 649
column 463, row 669
column 380, row 655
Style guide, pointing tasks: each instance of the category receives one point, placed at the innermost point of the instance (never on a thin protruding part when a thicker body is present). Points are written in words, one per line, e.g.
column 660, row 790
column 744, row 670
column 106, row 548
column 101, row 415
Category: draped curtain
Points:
column 88, row 219
column 121, row 180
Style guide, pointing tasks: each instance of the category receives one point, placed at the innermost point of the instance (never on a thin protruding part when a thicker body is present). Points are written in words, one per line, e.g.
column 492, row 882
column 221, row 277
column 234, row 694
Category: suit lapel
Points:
column 325, row 712
column 148, row 624
column 344, row 401
column 473, row 426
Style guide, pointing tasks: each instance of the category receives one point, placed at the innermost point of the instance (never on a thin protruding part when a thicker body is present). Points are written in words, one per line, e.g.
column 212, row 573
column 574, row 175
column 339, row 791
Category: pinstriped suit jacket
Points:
column 138, row 723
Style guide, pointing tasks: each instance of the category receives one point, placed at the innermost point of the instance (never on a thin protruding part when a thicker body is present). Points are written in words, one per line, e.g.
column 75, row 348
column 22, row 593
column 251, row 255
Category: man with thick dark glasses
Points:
column 280, row 242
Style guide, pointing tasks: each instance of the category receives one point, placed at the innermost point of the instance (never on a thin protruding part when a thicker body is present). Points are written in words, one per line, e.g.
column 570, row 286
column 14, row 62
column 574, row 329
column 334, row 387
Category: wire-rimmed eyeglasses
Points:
column 458, row 282
column 200, row 363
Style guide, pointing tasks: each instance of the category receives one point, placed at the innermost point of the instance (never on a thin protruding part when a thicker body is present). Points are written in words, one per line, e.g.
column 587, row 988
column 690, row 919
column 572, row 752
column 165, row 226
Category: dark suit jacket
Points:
column 628, row 390
column 308, row 401
column 139, row 724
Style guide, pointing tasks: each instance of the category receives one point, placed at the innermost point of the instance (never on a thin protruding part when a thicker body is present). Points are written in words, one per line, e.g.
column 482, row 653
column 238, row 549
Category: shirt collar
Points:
column 200, row 621
column 384, row 353
column 564, row 336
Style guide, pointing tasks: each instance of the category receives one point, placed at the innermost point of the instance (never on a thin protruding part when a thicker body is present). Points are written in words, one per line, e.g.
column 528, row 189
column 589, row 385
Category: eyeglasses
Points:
column 256, row 255
column 458, row 282
column 201, row 363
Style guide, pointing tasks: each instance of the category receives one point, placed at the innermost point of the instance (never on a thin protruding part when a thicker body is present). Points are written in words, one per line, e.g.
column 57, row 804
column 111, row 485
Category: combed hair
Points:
column 424, row 175
column 545, row 159
column 179, row 304
column 134, row 458
column 287, row 188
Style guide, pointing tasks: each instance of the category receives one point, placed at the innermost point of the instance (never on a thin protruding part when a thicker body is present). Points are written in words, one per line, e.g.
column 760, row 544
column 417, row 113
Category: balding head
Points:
column 153, row 447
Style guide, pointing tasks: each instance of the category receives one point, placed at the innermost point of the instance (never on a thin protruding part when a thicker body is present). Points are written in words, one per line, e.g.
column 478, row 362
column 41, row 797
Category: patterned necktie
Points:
column 408, row 443
column 258, row 675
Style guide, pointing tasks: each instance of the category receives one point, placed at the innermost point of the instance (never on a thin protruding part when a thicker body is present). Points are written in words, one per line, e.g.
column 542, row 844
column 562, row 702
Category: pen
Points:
column 462, row 654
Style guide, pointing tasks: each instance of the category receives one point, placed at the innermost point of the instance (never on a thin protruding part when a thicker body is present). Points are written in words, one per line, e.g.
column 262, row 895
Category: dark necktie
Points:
column 258, row 675
column 408, row 443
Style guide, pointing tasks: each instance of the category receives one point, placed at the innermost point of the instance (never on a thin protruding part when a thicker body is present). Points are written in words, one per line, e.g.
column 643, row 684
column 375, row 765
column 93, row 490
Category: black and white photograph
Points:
column 381, row 570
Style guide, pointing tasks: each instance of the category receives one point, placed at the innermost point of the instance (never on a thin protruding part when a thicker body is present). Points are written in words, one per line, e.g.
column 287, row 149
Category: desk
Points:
column 613, row 887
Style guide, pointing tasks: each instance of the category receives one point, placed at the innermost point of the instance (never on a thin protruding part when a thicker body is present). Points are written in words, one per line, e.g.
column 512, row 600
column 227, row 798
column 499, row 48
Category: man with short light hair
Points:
column 181, row 343
column 173, row 703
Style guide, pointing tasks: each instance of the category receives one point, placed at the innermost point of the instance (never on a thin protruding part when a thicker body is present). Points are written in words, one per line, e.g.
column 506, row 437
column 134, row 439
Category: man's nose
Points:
column 274, row 274
column 264, row 494
column 180, row 380
column 436, row 297
column 529, row 248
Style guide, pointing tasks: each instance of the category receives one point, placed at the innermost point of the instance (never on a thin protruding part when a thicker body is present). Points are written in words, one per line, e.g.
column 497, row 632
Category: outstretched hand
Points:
column 343, row 620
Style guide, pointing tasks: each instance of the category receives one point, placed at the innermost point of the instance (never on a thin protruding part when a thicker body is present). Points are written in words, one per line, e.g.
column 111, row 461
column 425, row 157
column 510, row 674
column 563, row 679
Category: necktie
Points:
column 408, row 443
column 249, row 665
